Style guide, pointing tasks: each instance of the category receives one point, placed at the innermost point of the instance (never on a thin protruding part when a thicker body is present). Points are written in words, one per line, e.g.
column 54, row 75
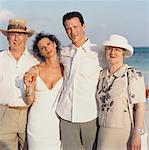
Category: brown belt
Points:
column 16, row 107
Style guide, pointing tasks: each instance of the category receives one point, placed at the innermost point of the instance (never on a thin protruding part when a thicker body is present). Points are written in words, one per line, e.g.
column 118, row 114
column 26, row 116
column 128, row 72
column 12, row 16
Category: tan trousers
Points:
column 12, row 128
column 78, row 136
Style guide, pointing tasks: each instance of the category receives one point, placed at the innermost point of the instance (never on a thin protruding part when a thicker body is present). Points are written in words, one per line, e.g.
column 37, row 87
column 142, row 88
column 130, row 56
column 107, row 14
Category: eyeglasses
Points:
column 16, row 33
column 115, row 49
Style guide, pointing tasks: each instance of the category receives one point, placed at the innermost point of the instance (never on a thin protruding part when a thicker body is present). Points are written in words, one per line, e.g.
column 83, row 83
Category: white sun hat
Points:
column 116, row 40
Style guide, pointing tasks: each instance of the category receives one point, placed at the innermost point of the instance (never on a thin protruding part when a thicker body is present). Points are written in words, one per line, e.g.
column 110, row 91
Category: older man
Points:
column 14, row 62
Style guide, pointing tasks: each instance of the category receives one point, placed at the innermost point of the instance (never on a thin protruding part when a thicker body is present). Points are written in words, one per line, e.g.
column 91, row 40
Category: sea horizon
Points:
column 139, row 60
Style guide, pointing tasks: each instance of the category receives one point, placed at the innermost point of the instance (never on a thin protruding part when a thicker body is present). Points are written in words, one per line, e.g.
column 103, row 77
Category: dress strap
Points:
column 37, row 71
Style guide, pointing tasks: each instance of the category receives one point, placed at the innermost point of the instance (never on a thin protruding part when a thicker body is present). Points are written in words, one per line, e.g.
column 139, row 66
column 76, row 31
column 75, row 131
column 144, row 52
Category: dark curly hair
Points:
column 39, row 36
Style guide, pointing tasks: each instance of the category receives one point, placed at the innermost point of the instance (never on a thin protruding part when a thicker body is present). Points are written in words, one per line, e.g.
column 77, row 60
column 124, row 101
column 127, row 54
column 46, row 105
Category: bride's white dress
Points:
column 43, row 123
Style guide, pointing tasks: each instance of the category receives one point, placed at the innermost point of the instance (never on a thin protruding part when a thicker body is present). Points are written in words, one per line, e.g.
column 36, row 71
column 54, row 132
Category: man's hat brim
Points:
column 29, row 32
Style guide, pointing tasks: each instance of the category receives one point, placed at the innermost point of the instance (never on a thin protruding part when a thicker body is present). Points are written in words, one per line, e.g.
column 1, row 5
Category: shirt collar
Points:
column 85, row 47
column 121, row 71
column 118, row 73
column 26, row 52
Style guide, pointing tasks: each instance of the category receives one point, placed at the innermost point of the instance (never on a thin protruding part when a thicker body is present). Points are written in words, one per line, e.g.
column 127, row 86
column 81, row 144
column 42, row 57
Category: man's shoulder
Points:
column 31, row 57
column 66, row 50
column 91, row 46
column 3, row 52
column 91, row 42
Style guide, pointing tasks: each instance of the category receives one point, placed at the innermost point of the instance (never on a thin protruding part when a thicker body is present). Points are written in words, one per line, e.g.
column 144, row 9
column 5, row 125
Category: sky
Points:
column 129, row 18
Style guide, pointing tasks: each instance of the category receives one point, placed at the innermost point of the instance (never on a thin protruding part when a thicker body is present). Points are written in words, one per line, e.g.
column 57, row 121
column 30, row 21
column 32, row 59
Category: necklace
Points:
column 115, row 70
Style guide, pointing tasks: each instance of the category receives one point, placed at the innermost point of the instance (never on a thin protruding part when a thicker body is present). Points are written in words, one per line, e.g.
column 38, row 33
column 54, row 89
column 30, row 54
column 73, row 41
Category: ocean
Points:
column 140, row 59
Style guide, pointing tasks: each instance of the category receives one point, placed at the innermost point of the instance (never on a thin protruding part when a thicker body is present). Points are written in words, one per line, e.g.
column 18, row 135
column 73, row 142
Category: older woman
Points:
column 115, row 131
column 43, row 87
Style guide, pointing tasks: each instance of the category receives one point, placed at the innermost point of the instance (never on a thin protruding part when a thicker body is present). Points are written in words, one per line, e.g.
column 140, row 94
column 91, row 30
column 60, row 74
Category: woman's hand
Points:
column 138, row 119
column 135, row 143
column 29, row 79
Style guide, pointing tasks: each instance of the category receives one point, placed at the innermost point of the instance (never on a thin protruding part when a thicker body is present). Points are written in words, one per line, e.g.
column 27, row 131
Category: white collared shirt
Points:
column 11, row 77
column 81, row 71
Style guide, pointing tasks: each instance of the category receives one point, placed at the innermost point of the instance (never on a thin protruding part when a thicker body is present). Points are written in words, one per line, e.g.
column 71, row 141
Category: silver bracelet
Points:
column 137, row 130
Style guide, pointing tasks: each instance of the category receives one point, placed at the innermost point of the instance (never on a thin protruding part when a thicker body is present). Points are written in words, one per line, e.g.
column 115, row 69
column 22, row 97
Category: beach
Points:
column 147, row 119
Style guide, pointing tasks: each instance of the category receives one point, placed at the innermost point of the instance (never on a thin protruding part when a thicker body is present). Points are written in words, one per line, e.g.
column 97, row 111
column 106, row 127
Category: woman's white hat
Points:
column 119, row 41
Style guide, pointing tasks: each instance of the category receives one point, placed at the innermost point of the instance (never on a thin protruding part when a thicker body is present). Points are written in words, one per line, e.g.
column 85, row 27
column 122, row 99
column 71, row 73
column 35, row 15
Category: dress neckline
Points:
column 55, row 85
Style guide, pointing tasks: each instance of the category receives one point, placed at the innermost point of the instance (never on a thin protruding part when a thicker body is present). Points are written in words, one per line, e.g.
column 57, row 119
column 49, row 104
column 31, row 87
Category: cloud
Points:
column 5, row 15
